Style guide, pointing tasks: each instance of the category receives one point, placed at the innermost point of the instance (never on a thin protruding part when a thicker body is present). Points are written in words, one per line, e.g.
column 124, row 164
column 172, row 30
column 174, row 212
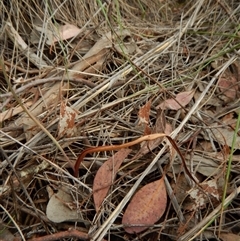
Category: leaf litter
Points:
column 90, row 84
column 181, row 100
column 105, row 176
column 146, row 207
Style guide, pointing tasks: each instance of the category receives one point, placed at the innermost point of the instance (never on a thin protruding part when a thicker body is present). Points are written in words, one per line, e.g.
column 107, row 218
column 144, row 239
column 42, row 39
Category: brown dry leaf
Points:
column 225, row 136
column 211, row 187
column 105, row 176
column 143, row 116
column 229, row 119
column 228, row 85
column 65, row 32
column 188, row 224
column 144, row 112
column 146, row 207
column 229, row 237
column 168, row 129
column 106, row 41
column 20, row 44
column 204, row 145
column 180, row 187
column 66, row 125
column 89, row 65
column 147, row 130
column 183, row 98
column 210, row 100
column 49, row 99
column 92, row 61
column 54, row 33
column 202, row 198
column 160, row 127
column 209, row 164
column 10, row 112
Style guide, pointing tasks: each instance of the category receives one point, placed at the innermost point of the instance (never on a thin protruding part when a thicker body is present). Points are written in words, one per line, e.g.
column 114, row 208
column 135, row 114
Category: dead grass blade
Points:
column 75, row 75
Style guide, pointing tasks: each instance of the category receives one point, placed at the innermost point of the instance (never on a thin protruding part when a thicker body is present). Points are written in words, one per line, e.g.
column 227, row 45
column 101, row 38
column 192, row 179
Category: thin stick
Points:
column 31, row 115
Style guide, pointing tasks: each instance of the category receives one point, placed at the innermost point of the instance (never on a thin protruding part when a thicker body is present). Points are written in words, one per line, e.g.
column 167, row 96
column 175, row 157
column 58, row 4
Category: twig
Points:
column 195, row 231
column 31, row 115
column 71, row 233
column 19, row 42
column 43, row 81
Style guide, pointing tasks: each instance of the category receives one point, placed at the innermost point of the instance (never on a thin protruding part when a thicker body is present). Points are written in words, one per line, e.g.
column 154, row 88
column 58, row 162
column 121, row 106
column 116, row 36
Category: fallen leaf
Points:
column 201, row 198
column 224, row 136
column 88, row 65
column 58, row 209
column 146, row 207
column 229, row 119
column 208, row 99
column 66, row 124
column 229, row 237
column 62, row 32
column 148, row 146
column 106, row 41
column 228, row 85
column 92, row 61
column 168, row 129
column 95, row 57
column 10, row 112
column 20, row 44
column 183, row 98
column 209, row 164
column 181, row 187
column 105, row 176
column 143, row 115
column 48, row 101
column 211, row 187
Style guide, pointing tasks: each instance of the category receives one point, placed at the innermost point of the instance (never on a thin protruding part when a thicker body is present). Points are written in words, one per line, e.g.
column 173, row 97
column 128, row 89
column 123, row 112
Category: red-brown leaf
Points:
column 146, row 207
column 183, row 98
column 228, row 85
column 143, row 116
column 143, row 113
column 66, row 125
column 105, row 176
column 159, row 127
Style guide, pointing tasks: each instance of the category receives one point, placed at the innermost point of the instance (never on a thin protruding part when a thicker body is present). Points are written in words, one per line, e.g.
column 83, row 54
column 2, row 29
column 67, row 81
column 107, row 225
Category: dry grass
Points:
column 151, row 52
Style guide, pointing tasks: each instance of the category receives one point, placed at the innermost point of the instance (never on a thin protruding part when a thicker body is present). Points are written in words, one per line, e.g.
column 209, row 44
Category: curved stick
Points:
column 131, row 143
column 113, row 147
